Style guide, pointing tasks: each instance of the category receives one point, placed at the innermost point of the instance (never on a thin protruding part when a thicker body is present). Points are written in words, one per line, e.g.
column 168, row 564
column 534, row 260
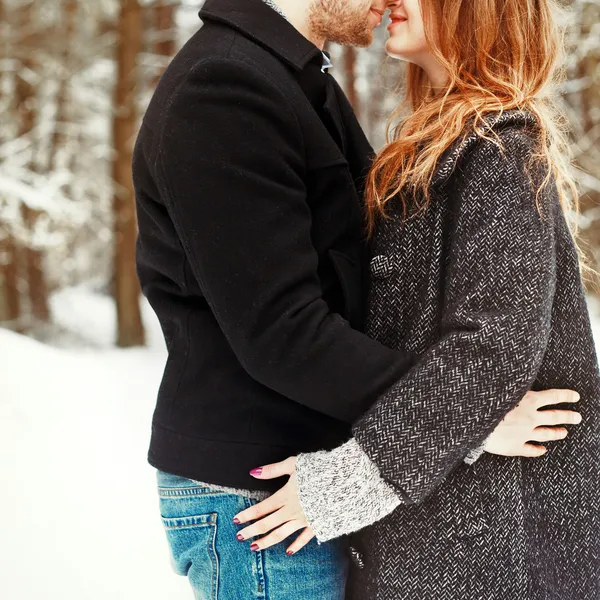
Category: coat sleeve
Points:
column 231, row 165
column 342, row 491
column 498, row 297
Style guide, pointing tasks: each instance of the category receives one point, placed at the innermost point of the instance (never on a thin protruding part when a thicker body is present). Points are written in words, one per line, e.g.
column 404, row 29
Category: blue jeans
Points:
column 201, row 535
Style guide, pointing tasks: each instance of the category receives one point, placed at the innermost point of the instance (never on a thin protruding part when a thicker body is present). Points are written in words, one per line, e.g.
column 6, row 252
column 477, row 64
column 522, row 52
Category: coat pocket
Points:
column 460, row 502
column 349, row 276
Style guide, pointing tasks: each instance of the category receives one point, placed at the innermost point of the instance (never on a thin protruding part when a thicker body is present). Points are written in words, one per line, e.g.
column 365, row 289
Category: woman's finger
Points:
column 549, row 397
column 265, row 525
column 277, row 536
column 557, row 417
column 301, row 541
column 262, row 509
column 548, row 434
column 274, row 470
column 532, row 451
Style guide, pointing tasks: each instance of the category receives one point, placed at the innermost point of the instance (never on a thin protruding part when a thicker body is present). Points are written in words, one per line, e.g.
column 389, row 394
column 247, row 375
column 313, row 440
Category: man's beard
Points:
column 334, row 21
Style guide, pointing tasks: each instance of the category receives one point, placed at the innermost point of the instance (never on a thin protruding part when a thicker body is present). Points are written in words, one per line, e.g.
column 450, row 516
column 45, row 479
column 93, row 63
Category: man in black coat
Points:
column 249, row 171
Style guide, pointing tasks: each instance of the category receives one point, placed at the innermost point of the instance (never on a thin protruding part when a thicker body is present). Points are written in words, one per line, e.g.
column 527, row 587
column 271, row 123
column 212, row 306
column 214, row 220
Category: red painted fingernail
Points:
column 256, row 471
column 239, row 537
column 236, row 521
column 254, row 547
column 289, row 552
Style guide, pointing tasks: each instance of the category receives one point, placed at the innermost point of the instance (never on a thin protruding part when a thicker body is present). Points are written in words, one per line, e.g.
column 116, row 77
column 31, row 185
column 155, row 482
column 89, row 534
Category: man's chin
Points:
column 354, row 31
column 364, row 40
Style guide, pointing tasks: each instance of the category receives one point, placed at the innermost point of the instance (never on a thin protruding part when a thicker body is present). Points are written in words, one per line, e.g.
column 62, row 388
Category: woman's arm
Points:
column 496, row 320
column 341, row 491
column 336, row 492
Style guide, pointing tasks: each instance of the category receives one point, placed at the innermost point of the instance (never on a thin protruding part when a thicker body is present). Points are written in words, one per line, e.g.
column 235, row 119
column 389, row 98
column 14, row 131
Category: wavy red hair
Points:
column 499, row 55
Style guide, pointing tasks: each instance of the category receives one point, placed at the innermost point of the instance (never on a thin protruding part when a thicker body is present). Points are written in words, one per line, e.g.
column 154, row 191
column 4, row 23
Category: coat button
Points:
column 381, row 266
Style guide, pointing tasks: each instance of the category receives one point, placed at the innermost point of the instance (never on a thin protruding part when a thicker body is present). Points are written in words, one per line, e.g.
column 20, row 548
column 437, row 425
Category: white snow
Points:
column 80, row 516
column 79, row 508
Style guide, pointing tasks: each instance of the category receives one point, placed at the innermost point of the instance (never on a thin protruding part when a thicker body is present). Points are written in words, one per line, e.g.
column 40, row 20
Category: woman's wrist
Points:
column 342, row 491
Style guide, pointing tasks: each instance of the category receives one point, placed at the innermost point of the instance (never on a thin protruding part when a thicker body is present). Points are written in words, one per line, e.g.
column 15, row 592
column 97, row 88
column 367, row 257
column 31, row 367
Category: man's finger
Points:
column 548, row 397
column 557, row 417
column 300, row 541
column 274, row 470
column 548, row 434
column 532, row 451
column 257, row 511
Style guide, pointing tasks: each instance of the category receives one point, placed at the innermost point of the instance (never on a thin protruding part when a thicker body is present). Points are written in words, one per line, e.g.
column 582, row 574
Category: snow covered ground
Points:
column 79, row 511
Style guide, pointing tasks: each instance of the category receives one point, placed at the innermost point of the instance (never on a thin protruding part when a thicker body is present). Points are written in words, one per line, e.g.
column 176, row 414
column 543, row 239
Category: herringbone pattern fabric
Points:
column 491, row 297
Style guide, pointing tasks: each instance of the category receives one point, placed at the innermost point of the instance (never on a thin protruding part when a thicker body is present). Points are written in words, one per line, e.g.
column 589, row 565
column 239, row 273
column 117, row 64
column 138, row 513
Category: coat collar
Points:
column 262, row 24
column 461, row 146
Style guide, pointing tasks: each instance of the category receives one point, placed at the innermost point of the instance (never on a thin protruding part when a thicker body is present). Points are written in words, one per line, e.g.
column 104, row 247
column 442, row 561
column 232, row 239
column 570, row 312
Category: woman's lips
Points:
column 396, row 21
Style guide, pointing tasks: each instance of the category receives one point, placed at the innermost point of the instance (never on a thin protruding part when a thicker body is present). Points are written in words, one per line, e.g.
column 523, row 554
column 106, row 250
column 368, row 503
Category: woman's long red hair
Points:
column 499, row 55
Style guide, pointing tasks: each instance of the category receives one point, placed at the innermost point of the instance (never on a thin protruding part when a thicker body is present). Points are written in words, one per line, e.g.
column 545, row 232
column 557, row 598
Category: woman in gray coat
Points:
column 475, row 268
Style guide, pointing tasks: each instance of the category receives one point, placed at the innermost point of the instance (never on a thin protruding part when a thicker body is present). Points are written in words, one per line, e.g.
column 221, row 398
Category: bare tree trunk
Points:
column 62, row 98
column 27, row 105
column 350, row 78
column 10, row 301
column 126, row 284
column 164, row 31
column 380, row 85
column 10, row 304
column 34, row 269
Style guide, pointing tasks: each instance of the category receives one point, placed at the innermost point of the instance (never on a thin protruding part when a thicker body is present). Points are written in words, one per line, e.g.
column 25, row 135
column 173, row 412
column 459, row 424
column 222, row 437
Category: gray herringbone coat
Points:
column 490, row 295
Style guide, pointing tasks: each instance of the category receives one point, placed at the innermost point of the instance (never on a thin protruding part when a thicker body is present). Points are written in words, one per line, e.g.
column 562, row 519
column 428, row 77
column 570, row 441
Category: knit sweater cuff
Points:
column 475, row 454
column 341, row 491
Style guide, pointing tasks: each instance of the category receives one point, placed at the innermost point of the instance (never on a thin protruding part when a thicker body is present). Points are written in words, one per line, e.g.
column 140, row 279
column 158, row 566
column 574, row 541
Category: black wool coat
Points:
column 248, row 173
column 489, row 295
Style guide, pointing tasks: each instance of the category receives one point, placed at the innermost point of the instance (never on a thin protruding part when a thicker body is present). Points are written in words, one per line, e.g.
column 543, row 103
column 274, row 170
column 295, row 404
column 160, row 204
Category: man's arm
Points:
column 231, row 166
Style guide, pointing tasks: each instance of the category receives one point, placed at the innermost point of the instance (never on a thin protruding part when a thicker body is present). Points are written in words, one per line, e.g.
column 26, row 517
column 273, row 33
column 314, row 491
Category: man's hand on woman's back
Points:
column 530, row 421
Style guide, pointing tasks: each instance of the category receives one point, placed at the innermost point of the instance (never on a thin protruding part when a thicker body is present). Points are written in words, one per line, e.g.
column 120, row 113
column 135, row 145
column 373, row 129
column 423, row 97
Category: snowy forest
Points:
column 76, row 76
column 82, row 353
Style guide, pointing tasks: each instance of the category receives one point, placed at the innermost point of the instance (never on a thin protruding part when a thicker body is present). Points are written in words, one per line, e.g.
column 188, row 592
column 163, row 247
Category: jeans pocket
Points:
column 193, row 553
